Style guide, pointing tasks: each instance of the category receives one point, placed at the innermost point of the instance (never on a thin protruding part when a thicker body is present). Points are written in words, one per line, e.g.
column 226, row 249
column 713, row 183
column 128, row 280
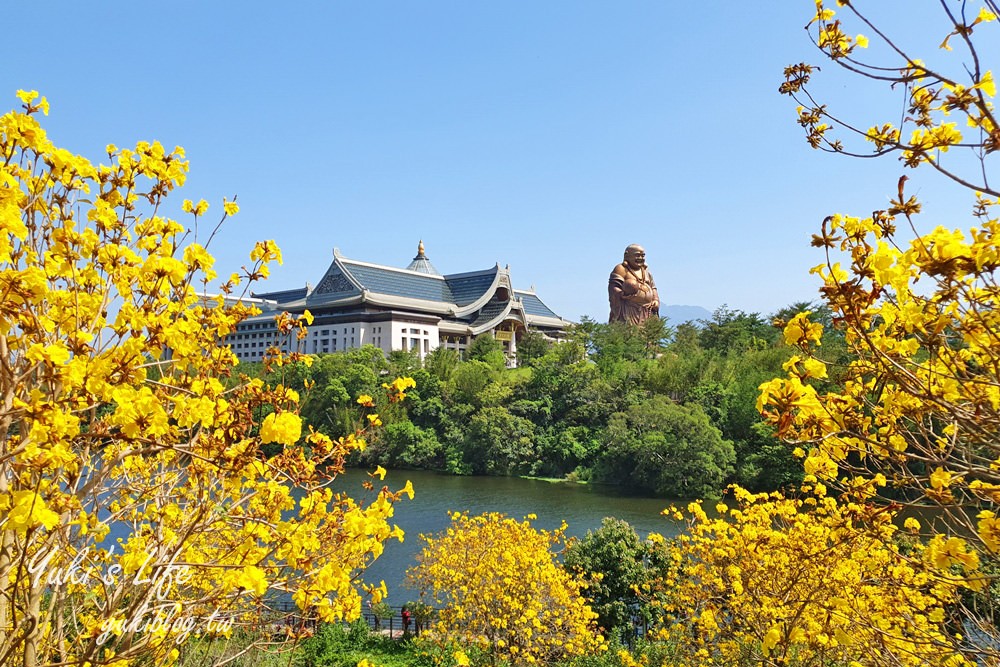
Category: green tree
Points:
column 735, row 331
column 671, row 450
column 762, row 461
column 402, row 444
column 578, row 391
column 499, row 443
column 566, row 451
column 469, row 380
column 530, row 346
column 487, row 349
column 612, row 560
column 360, row 379
column 442, row 362
column 404, row 363
column 621, row 340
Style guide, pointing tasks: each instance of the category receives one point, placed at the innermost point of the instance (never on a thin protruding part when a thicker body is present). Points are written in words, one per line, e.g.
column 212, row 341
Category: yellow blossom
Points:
column 27, row 509
column 940, row 478
column 124, row 408
column 496, row 581
column 248, row 578
column 284, row 428
column 27, row 96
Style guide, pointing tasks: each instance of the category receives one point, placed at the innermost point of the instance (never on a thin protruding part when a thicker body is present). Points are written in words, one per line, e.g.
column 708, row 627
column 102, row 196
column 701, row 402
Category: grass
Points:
column 344, row 646
column 554, row 480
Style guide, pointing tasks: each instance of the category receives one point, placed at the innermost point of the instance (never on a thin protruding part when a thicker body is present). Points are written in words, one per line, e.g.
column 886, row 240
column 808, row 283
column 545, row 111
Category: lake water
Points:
column 436, row 496
column 582, row 506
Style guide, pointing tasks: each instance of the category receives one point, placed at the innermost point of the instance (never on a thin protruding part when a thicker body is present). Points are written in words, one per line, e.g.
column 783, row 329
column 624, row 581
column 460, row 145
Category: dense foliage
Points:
column 655, row 409
column 616, row 564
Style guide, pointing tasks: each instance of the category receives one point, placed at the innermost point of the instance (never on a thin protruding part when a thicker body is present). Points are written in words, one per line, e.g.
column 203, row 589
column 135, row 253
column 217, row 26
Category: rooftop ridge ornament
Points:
column 421, row 264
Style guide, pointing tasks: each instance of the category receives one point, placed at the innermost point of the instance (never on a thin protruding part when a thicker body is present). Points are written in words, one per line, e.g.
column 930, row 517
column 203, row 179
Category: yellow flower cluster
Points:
column 121, row 412
column 934, row 95
column 916, row 408
column 284, row 428
column 500, row 589
column 918, row 404
column 397, row 390
column 811, row 581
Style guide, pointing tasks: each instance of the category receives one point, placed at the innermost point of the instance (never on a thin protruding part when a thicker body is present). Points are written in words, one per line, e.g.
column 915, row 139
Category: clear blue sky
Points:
column 544, row 135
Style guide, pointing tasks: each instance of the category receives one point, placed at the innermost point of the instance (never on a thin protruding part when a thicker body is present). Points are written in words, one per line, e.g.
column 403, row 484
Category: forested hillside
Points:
column 660, row 410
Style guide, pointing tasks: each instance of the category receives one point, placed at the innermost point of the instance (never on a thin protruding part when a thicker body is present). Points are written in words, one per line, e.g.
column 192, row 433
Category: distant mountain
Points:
column 675, row 315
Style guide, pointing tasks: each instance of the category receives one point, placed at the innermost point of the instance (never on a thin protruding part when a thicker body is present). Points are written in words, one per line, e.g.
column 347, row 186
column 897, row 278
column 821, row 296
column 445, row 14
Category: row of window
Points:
column 264, row 336
column 250, row 346
column 413, row 344
column 323, row 332
column 325, row 340
column 317, row 332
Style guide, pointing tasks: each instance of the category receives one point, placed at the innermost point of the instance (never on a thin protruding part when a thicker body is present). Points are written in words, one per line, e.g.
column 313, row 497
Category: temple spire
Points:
column 421, row 263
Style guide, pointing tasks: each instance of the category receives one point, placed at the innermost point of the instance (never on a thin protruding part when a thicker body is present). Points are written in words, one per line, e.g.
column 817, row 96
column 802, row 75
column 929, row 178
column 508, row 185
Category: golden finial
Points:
column 420, row 248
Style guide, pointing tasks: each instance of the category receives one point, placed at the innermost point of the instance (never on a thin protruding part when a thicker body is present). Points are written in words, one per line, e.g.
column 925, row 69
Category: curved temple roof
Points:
column 475, row 297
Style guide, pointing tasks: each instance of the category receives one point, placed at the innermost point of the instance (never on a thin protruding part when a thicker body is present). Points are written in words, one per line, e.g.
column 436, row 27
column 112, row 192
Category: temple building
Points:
column 359, row 303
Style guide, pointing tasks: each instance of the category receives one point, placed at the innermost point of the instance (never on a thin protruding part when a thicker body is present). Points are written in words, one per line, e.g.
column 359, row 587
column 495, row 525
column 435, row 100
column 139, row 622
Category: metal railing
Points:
column 395, row 624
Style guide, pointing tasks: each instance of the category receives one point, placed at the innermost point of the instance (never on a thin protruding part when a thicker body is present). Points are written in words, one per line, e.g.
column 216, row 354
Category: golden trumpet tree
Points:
column 136, row 507
column 807, row 581
column 500, row 589
column 918, row 410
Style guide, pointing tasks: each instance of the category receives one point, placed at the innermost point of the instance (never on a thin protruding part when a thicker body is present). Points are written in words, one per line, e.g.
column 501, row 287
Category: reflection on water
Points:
column 582, row 507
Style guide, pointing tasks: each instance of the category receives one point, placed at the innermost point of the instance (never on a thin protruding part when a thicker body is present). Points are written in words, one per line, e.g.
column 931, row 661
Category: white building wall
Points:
column 418, row 336
column 321, row 339
column 378, row 334
column 252, row 339
column 251, row 342
column 348, row 335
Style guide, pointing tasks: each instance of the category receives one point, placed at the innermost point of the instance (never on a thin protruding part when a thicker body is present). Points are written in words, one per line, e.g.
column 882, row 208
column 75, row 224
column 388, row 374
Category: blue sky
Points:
column 543, row 135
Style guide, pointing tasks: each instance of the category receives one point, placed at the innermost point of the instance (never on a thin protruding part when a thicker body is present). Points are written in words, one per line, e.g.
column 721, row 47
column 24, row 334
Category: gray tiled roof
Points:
column 460, row 289
column 384, row 280
column 282, row 296
column 534, row 306
column 466, row 288
column 488, row 312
